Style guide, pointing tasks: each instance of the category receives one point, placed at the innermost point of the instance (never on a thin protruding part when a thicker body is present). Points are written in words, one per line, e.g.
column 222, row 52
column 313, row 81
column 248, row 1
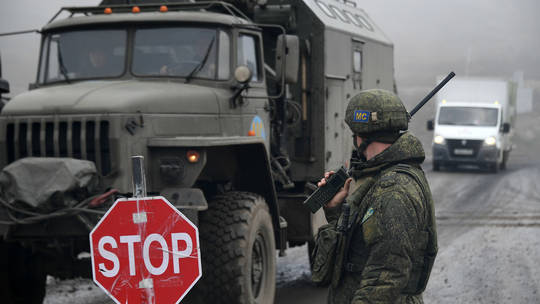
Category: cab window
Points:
column 248, row 55
column 84, row 54
column 357, row 66
column 357, row 61
column 224, row 57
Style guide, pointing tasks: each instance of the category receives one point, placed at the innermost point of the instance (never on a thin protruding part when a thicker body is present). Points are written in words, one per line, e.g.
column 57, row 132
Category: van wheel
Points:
column 494, row 167
column 436, row 166
column 22, row 278
column 237, row 251
column 504, row 160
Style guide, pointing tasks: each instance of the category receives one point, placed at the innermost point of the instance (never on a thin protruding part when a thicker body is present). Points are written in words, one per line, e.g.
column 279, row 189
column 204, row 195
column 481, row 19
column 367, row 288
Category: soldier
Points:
column 386, row 247
column 101, row 62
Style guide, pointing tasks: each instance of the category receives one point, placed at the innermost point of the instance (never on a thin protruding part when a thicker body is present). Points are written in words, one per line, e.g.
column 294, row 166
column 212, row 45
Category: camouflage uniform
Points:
column 386, row 244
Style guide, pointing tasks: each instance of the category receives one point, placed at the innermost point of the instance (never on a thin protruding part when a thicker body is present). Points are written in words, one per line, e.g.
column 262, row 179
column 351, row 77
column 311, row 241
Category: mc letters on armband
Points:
column 361, row 116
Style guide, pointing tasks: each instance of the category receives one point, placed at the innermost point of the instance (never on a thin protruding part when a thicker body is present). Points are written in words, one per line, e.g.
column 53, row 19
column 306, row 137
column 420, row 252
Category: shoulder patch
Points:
column 361, row 116
column 367, row 215
column 388, row 180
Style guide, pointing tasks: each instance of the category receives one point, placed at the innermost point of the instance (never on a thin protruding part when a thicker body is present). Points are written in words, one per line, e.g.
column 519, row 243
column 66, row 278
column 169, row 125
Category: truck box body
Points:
column 474, row 122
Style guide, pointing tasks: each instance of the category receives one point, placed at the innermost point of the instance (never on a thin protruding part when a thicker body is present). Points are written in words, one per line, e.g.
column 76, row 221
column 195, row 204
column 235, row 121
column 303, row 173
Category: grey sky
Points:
column 435, row 36
column 431, row 37
column 20, row 53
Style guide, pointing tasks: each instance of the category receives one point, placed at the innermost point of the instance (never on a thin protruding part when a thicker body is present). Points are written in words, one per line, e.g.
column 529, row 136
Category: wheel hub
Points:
column 257, row 265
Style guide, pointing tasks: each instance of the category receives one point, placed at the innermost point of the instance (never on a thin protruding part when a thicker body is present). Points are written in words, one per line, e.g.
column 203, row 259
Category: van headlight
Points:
column 490, row 141
column 439, row 140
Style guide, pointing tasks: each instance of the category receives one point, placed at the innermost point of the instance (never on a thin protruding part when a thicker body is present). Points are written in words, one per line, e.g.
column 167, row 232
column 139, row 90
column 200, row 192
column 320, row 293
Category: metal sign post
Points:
column 139, row 177
column 144, row 250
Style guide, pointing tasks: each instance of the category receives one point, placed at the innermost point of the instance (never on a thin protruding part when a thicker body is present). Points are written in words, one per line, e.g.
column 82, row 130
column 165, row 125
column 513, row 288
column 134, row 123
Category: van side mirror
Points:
column 430, row 126
column 287, row 58
column 4, row 86
column 506, row 127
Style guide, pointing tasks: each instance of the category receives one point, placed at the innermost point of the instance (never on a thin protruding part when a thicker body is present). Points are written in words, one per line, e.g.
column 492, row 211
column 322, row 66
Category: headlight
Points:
column 438, row 140
column 490, row 141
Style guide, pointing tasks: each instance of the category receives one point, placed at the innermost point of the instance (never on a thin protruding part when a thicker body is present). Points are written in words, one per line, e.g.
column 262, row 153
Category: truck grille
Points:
column 77, row 139
column 455, row 145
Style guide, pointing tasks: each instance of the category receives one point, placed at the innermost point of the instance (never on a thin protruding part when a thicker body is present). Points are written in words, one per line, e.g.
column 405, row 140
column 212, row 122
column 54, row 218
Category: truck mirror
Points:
column 287, row 58
column 430, row 125
column 506, row 127
column 242, row 74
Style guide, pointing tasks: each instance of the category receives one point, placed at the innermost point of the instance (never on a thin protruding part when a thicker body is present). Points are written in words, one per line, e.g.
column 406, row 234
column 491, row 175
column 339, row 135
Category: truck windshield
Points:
column 83, row 54
column 188, row 52
column 468, row 116
column 177, row 51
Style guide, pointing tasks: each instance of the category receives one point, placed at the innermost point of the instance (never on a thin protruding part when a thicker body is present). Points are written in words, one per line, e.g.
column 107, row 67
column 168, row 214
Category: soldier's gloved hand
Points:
column 342, row 193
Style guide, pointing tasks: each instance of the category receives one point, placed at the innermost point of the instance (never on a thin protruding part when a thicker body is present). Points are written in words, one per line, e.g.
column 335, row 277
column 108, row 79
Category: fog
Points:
column 479, row 38
column 20, row 53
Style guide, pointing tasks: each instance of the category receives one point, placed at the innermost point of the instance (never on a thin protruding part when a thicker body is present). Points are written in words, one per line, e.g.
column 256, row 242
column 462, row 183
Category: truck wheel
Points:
column 23, row 280
column 237, row 250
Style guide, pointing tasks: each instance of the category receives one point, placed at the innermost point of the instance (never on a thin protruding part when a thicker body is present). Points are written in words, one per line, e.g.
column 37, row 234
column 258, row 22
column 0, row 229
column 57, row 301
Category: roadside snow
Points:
column 81, row 291
column 293, row 268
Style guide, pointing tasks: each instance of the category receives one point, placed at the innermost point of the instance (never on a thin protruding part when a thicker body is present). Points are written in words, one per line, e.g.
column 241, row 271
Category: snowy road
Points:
column 489, row 238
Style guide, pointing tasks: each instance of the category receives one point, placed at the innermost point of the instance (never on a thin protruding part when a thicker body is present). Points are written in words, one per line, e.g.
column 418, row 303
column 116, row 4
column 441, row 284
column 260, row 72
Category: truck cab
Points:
column 110, row 86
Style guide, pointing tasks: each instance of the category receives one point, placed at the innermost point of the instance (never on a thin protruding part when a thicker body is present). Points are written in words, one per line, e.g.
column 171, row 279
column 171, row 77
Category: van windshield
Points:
column 83, row 54
column 468, row 116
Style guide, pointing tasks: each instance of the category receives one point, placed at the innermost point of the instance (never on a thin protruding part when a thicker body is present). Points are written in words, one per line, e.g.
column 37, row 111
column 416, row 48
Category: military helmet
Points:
column 377, row 114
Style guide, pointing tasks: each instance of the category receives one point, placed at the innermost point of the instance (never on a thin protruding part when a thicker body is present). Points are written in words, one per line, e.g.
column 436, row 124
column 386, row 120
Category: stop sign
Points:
column 145, row 251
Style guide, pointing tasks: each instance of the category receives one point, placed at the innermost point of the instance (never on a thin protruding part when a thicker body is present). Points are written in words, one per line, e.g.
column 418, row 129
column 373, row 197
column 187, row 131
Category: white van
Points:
column 474, row 123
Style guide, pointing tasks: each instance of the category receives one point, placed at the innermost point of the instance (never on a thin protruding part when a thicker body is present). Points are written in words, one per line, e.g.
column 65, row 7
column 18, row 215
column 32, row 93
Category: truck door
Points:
column 255, row 117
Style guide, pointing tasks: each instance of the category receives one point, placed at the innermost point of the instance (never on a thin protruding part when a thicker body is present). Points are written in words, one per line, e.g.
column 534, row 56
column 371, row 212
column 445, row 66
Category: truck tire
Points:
column 237, row 250
column 23, row 277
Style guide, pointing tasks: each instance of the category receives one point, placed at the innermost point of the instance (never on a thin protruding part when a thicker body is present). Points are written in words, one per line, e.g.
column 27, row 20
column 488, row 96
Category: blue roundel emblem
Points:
column 257, row 126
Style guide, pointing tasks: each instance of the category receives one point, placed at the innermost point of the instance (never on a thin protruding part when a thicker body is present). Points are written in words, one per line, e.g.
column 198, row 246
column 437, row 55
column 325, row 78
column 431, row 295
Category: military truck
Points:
column 237, row 109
